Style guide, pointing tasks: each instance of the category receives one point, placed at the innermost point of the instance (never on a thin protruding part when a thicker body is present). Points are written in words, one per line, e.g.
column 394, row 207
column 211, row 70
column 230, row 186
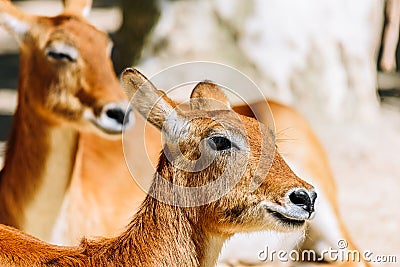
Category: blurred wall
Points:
column 318, row 55
column 139, row 17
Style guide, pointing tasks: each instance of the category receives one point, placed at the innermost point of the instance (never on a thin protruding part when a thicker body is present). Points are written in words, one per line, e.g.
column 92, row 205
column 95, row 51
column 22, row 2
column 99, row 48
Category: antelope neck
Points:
column 38, row 165
column 159, row 235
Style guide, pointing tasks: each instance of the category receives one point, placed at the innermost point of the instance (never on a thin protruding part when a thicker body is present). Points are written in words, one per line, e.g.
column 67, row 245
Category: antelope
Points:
column 170, row 228
column 302, row 151
column 94, row 204
column 66, row 87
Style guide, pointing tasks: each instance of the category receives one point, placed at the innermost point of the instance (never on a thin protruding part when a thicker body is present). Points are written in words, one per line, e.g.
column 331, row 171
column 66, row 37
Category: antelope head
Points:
column 221, row 167
column 66, row 74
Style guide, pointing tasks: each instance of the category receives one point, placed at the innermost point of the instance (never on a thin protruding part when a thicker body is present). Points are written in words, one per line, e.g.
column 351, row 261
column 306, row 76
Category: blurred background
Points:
column 324, row 57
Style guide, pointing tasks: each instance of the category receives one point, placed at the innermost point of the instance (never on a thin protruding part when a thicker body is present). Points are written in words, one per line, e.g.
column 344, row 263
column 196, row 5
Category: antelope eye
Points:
column 60, row 56
column 220, row 143
column 61, row 51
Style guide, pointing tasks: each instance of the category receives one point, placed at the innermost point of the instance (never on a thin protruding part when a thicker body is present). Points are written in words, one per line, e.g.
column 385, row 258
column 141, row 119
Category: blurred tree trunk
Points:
column 139, row 17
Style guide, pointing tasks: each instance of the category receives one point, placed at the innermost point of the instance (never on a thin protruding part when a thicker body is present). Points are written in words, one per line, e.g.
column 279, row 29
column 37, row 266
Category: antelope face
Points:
column 71, row 74
column 222, row 163
column 268, row 195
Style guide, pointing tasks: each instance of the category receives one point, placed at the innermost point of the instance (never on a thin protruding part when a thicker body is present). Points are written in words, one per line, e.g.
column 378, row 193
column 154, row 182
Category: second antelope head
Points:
column 66, row 74
column 219, row 162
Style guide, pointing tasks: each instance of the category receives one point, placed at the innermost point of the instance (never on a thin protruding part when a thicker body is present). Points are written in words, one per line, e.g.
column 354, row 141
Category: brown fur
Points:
column 295, row 137
column 161, row 234
column 53, row 96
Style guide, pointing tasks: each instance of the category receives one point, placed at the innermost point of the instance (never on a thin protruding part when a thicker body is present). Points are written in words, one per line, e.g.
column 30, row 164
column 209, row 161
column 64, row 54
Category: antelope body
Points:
column 296, row 140
column 65, row 87
column 166, row 234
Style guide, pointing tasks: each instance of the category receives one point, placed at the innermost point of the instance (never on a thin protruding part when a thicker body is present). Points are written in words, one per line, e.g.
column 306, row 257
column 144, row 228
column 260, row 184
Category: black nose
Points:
column 117, row 114
column 301, row 198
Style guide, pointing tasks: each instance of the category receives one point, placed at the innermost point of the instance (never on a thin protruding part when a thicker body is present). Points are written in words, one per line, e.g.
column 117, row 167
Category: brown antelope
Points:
column 96, row 205
column 165, row 234
column 66, row 85
column 88, row 209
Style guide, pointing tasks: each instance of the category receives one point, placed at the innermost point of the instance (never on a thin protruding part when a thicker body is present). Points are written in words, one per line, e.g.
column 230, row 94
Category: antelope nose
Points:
column 116, row 114
column 303, row 199
column 113, row 119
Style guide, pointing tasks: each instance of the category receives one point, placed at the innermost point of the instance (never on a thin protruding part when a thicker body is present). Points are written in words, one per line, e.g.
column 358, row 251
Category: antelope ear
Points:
column 152, row 104
column 77, row 7
column 208, row 96
column 14, row 20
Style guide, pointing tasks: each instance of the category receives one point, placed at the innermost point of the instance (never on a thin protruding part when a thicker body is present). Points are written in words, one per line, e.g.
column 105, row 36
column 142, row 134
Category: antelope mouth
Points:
column 112, row 129
column 288, row 221
column 107, row 130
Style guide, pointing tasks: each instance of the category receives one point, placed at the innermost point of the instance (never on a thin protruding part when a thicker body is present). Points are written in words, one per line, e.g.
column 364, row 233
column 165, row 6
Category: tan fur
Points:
column 53, row 97
column 77, row 7
column 161, row 234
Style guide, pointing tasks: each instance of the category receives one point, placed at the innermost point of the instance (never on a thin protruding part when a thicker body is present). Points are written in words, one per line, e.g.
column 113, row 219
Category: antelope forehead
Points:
column 79, row 30
column 215, row 118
